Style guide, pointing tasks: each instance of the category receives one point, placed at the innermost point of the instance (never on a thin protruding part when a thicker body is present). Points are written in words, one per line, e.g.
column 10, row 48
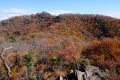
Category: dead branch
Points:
column 4, row 59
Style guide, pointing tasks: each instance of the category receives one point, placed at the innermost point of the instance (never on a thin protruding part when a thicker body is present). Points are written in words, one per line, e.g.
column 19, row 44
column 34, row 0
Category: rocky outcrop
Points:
column 94, row 73
column 91, row 73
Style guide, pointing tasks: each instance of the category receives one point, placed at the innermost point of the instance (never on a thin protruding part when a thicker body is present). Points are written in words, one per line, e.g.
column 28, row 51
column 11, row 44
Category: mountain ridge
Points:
column 95, row 25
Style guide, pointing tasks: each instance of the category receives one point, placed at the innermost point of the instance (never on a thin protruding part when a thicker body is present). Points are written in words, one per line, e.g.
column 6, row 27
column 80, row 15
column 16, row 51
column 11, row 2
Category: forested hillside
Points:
column 92, row 26
column 46, row 46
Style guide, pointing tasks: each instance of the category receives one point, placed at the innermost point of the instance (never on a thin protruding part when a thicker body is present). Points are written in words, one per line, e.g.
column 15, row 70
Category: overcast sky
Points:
column 10, row 8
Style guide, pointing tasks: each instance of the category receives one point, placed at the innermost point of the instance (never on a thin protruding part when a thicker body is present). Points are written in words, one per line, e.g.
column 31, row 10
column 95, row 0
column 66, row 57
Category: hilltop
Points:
column 81, row 26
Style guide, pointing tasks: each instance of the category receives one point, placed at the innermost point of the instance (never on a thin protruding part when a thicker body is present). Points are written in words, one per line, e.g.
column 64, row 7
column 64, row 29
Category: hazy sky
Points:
column 9, row 8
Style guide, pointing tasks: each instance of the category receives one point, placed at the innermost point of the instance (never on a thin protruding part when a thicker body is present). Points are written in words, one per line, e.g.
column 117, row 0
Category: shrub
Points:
column 106, row 50
column 29, row 62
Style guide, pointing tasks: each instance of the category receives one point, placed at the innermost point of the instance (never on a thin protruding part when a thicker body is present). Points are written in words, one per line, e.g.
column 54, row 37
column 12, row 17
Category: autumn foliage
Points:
column 105, row 50
column 59, row 43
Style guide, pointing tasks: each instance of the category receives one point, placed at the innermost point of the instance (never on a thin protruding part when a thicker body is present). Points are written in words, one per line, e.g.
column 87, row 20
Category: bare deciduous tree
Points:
column 4, row 59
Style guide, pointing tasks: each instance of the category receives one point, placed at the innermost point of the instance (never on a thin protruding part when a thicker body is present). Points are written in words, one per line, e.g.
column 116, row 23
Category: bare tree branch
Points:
column 4, row 59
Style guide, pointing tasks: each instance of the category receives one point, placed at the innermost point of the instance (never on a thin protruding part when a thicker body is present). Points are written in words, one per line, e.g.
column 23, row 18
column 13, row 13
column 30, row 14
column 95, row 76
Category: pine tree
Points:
column 29, row 62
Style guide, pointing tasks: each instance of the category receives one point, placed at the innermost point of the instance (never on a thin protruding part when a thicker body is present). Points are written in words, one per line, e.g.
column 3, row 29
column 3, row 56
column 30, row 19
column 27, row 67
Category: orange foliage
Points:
column 71, row 53
column 104, row 50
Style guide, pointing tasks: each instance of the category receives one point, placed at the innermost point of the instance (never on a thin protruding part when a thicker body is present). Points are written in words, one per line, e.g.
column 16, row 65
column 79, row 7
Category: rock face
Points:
column 94, row 73
column 91, row 73
column 81, row 75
